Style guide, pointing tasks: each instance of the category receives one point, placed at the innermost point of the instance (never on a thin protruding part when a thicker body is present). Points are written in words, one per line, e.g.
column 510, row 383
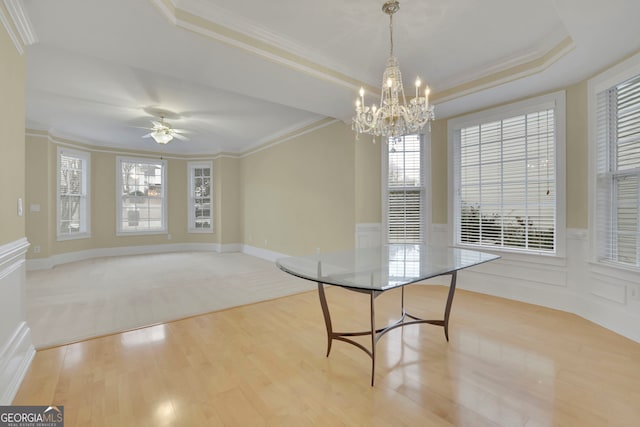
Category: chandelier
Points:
column 394, row 117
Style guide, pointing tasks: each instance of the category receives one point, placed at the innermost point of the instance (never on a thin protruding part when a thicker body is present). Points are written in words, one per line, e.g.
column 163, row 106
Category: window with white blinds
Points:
column 405, row 202
column 72, row 191
column 618, row 173
column 141, row 189
column 505, row 180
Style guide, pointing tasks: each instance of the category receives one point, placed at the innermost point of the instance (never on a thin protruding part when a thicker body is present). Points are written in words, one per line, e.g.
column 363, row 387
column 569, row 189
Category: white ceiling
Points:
column 241, row 73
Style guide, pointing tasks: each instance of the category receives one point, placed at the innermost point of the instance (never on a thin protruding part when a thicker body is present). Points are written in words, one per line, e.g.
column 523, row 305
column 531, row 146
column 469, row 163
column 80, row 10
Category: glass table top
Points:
column 384, row 267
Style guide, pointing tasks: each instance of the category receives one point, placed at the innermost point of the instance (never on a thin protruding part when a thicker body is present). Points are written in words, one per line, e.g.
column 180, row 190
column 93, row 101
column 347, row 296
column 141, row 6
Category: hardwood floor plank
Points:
column 507, row 364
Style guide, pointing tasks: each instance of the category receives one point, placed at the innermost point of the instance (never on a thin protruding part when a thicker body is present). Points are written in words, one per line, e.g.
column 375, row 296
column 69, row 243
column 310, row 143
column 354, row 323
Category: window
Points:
column 618, row 173
column 200, row 197
column 72, row 194
column 405, row 190
column 507, row 187
column 141, row 196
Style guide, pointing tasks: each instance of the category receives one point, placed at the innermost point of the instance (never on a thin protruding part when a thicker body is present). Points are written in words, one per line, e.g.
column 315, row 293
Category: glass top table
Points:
column 384, row 267
column 376, row 270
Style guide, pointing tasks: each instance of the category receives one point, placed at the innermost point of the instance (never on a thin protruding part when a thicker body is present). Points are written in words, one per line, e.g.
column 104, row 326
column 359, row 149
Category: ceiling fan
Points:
column 162, row 133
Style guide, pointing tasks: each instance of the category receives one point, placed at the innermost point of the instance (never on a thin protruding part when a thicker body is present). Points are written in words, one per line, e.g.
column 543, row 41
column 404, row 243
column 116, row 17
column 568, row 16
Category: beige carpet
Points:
column 90, row 298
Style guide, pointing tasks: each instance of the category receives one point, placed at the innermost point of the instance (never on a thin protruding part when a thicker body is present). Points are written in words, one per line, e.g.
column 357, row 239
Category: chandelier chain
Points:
column 391, row 34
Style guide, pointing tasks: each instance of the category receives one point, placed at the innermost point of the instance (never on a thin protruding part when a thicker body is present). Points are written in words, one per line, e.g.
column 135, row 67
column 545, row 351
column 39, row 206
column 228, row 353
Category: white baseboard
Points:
column 15, row 358
column 262, row 253
column 230, row 247
column 46, row 263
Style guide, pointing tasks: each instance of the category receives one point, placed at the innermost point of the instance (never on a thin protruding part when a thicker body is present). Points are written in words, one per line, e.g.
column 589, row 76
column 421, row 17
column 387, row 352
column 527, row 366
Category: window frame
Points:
column 164, row 228
column 425, row 145
column 191, row 166
column 85, row 197
column 604, row 81
column 555, row 100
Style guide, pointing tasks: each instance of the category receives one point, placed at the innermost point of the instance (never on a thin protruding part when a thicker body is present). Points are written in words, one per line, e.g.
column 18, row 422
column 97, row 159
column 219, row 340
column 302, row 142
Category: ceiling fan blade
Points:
column 157, row 124
column 178, row 130
column 147, row 135
column 180, row 137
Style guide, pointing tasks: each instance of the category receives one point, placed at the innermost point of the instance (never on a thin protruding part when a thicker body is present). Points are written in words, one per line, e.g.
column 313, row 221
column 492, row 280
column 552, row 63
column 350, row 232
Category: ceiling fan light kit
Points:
column 161, row 137
column 162, row 133
column 395, row 117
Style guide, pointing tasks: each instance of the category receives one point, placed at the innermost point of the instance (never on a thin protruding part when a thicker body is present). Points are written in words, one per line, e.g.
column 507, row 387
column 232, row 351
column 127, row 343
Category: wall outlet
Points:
column 169, row 236
column 36, row 249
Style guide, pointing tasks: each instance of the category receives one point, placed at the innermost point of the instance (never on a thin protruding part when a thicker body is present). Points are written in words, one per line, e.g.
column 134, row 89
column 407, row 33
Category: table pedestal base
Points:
column 377, row 333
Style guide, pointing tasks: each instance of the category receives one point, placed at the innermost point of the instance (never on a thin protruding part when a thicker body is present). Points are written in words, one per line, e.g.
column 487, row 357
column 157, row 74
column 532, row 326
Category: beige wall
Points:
column 229, row 200
column 368, row 170
column 41, row 154
column 12, row 123
column 293, row 197
column 439, row 172
column 577, row 155
column 38, row 190
column 298, row 196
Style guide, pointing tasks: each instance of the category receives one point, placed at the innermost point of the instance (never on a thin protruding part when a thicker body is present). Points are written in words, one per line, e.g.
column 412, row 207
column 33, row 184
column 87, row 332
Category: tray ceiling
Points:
column 239, row 74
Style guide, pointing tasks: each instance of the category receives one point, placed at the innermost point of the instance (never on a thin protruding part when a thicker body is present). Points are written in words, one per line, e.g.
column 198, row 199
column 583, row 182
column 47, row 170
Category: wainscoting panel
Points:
column 368, row 235
column 596, row 292
column 16, row 347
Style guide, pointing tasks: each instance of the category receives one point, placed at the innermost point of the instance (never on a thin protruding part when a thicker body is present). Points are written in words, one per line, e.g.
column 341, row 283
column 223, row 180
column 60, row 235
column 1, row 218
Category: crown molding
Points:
column 21, row 21
column 167, row 8
column 9, row 27
column 287, row 136
column 505, row 75
column 524, row 56
column 204, row 19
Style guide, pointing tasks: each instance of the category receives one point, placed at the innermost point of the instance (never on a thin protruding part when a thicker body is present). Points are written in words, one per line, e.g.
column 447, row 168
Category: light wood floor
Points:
column 508, row 364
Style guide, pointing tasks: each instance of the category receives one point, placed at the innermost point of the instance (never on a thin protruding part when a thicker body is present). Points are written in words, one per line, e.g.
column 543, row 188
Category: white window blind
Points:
column 141, row 201
column 506, row 183
column 200, row 197
column 73, row 206
column 405, row 190
column 618, row 173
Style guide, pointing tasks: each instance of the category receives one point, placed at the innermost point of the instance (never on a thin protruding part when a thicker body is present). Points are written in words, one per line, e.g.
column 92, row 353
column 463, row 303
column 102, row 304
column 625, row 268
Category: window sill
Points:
column 140, row 233
column 516, row 256
column 76, row 236
column 199, row 231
